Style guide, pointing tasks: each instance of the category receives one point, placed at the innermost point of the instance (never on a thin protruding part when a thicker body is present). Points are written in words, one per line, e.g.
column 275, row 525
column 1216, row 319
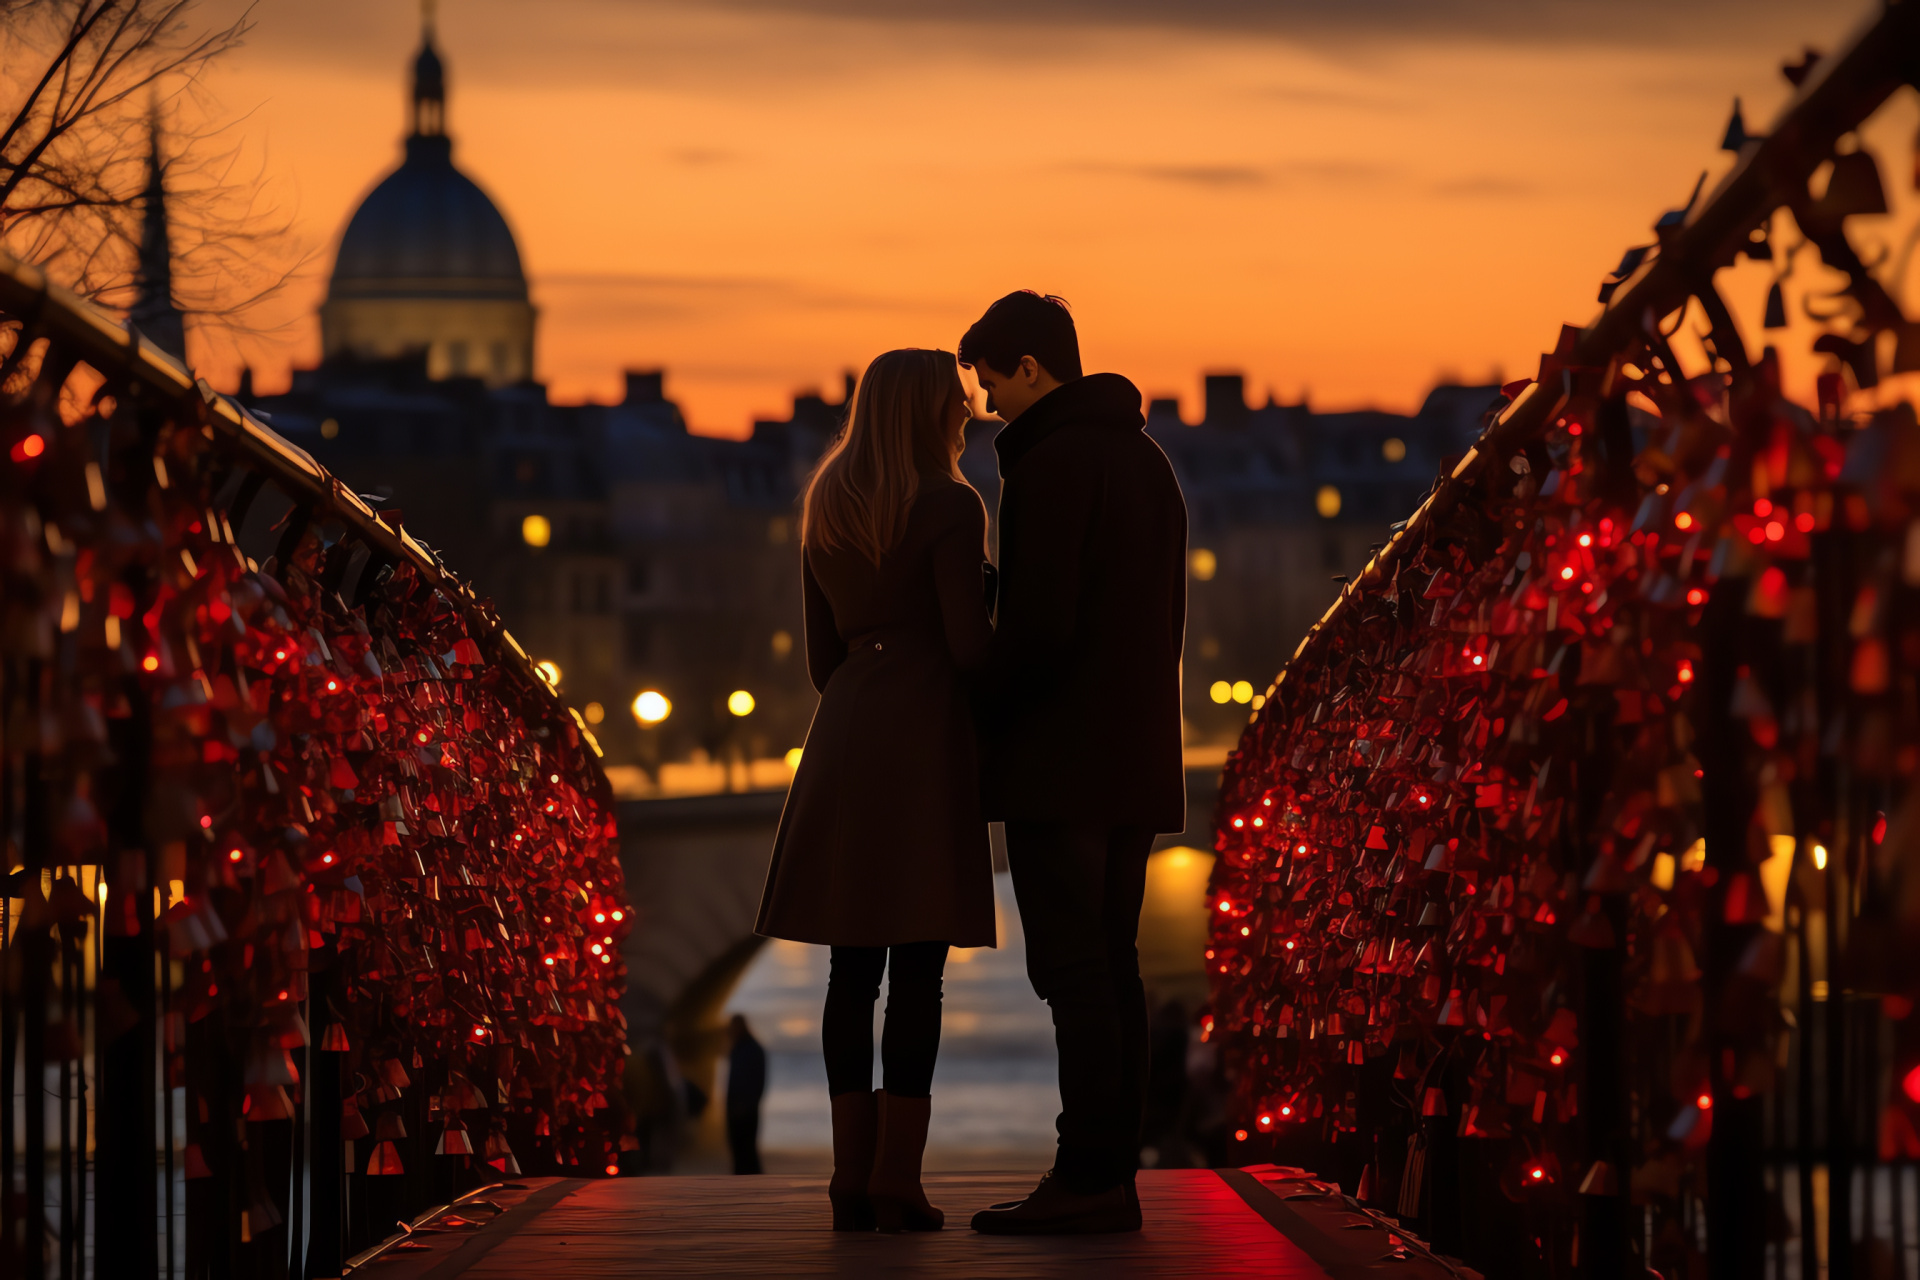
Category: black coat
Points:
column 883, row 840
column 1083, row 681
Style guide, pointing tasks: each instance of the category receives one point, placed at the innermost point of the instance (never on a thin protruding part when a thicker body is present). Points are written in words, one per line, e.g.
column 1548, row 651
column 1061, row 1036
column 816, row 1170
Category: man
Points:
column 1081, row 732
column 746, row 1084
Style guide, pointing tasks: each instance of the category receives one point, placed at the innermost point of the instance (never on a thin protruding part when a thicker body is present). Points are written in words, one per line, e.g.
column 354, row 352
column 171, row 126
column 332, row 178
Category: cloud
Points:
column 639, row 296
column 1220, row 177
column 1483, row 186
column 1385, row 22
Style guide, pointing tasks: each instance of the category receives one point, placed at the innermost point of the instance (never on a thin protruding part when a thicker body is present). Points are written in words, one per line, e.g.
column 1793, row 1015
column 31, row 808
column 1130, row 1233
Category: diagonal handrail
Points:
column 51, row 310
column 1840, row 92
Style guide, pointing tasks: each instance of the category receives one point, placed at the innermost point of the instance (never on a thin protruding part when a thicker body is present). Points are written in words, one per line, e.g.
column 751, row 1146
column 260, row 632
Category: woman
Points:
column 882, row 850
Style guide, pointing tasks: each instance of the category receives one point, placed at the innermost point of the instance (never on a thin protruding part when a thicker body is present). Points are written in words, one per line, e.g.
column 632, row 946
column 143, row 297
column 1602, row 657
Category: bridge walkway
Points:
column 1199, row 1223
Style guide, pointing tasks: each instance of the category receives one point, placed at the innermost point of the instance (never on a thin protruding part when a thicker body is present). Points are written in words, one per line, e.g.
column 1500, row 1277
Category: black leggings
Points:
column 911, row 1041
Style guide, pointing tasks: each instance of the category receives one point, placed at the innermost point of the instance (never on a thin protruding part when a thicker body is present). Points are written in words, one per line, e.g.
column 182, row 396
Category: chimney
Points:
column 1226, row 400
column 646, row 386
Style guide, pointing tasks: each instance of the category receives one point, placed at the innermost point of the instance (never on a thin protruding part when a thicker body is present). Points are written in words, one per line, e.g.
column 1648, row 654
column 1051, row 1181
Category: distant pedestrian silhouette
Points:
column 746, row 1085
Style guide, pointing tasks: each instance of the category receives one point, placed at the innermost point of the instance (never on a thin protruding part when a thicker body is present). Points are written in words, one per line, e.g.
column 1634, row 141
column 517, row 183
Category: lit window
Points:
column 651, row 707
column 536, row 531
column 1327, row 501
column 1393, row 449
column 1204, row 564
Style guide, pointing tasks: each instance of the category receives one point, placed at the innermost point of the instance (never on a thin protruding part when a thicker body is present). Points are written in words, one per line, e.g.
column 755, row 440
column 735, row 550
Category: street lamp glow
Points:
column 740, row 702
column 1221, row 692
column 651, row 707
column 1242, row 691
column 594, row 712
column 1327, row 501
column 1393, row 449
column 536, row 531
column 1204, row 564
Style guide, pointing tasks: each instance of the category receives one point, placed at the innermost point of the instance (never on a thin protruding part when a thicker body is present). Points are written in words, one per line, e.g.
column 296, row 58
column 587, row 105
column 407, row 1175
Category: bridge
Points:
column 695, row 866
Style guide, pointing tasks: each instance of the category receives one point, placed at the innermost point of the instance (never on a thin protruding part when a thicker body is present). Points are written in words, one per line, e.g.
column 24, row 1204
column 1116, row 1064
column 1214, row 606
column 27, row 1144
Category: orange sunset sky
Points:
column 1342, row 200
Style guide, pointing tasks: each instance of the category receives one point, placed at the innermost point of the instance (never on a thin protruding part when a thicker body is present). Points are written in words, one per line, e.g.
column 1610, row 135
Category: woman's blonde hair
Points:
column 863, row 489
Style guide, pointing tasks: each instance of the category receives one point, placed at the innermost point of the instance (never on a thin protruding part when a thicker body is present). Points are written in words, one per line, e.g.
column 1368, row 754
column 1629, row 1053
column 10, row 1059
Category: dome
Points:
column 427, row 231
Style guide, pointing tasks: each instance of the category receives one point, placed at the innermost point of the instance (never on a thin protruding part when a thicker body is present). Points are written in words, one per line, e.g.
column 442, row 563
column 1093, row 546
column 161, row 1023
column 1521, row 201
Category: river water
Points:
column 994, row 1090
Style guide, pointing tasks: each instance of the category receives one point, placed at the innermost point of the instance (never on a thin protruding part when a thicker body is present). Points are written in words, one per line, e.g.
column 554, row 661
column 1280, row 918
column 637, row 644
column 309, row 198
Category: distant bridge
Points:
column 695, row 866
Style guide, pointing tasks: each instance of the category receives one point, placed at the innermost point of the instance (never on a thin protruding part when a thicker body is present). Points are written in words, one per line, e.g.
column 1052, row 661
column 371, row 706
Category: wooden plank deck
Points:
column 776, row 1225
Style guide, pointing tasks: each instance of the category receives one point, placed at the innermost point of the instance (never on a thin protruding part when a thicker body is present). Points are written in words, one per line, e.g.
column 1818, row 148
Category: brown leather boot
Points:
column 899, row 1203
column 855, row 1128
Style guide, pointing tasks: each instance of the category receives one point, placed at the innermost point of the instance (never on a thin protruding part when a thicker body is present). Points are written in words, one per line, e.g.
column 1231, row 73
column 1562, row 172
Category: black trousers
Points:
column 911, row 1041
column 1079, row 889
column 743, row 1138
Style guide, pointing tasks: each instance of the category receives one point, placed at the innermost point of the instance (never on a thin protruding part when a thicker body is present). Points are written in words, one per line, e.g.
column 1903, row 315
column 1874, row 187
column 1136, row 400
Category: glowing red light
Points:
column 1683, row 521
column 1266, row 1122
column 1910, row 1085
column 1557, row 1058
column 1704, row 1101
column 1286, row 1111
column 327, row 858
column 150, row 663
column 280, row 655
column 1775, row 531
column 1686, row 671
column 606, row 959
column 206, row 821
column 31, row 447
column 1756, row 535
column 1804, row 522
column 1239, row 822
column 1226, row 904
column 1574, row 428
column 1537, row 1173
column 599, row 917
column 333, row 686
column 423, row 736
column 1566, row 574
column 234, row 855
column 1239, row 1135
column 549, row 959
column 283, row 995
column 1586, row 539
column 1762, row 507
column 1696, row 596
column 479, row 1032
column 613, row 1171
column 1479, row 659
column 619, row 916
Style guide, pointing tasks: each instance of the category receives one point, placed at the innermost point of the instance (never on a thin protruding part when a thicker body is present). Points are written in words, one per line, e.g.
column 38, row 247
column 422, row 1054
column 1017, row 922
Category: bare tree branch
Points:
column 84, row 88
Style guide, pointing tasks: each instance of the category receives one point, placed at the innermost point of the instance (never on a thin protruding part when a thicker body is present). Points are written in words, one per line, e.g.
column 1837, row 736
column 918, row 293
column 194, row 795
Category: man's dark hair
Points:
column 1025, row 324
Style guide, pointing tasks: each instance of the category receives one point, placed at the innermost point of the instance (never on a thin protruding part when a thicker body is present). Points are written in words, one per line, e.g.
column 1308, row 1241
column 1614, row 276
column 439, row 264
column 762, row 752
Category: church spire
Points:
column 153, row 312
column 429, row 82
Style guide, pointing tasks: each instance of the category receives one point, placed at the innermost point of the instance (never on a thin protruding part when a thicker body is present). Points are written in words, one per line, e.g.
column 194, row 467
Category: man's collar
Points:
column 1102, row 395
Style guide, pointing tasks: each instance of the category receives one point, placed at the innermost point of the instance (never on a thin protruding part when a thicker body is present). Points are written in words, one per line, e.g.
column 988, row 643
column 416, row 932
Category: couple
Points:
column 1050, row 703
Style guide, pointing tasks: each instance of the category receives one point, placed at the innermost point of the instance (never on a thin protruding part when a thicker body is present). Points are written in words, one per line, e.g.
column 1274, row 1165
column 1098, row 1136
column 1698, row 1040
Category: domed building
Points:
column 428, row 263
